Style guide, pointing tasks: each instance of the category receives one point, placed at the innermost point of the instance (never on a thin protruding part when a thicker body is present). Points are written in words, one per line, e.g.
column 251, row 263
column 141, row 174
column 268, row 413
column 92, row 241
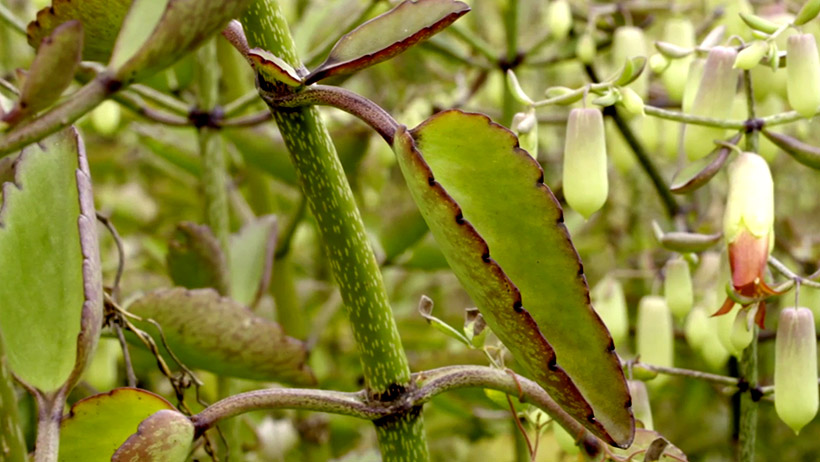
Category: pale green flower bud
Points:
column 677, row 287
column 803, row 74
column 559, row 19
column 631, row 101
column 610, row 303
column 696, row 328
column 714, row 98
column 743, row 329
column 640, row 403
column 525, row 125
column 681, row 32
column 629, row 42
column 586, row 48
column 585, row 171
column 654, row 335
column 795, row 368
column 750, row 203
column 693, row 76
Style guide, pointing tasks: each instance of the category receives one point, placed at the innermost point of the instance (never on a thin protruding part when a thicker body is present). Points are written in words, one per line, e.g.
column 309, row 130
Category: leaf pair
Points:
column 377, row 40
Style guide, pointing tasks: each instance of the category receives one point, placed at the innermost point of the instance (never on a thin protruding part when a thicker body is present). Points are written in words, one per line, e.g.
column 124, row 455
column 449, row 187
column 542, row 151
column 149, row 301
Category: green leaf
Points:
column 650, row 446
column 502, row 232
column 165, row 436
column 182, row 27
column 49, row 264
column 101, row 20
column 251, row 262
column 98, row 425
column 387, row 35
column 141, row 20
column 217, row 334
column 195, row 259
column 51, row 72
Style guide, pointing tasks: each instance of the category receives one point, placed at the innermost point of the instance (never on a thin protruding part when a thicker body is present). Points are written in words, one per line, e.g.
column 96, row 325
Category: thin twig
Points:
column 126, row 355
column 238, row 105
column 249, row 120
column 161, row 99
column 115, row 289
column 7, row 16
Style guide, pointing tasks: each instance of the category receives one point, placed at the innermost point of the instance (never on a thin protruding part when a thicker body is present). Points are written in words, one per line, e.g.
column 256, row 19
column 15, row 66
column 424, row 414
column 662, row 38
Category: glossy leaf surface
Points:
column 252, row 259
column 51, row 71
column 98, row 425
column 217, row 334
column 502, row 232
column 49, row 263
column 165, row 436
column 101, row 20
column 273, row 68
column 195, row 259
column 387, row 35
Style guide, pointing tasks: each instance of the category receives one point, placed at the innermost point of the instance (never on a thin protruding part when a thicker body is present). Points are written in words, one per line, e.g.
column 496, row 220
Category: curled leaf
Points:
column 804, row 153
column 217, row 334
column 698, row 173
column 683, row 242
column 273, row 68
column 387, row 35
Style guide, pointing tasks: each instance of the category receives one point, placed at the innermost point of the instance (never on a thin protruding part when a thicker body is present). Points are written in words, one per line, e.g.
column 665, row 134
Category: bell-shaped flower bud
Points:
column 610, row 304
column 803, row 74
column 693, row 76
column 586, row 48
column 630, row 42
column 748, row 223
column 679, row 31
column 559, row 19
column 677, row 287
column 654, row 335
column 795, row 368
column 585, row 176
column 696, row 328
column 640, row 403
column 714, row 98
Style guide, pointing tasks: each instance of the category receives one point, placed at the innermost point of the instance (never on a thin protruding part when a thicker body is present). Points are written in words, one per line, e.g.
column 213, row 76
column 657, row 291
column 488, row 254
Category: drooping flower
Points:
column 748, row 226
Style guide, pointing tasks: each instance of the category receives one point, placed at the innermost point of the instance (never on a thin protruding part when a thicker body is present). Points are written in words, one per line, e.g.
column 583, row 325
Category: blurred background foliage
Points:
column 146, row 179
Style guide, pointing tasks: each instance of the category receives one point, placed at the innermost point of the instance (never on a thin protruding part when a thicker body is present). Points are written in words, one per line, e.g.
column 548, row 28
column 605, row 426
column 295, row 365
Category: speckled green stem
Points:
column 12, row 443
column 748, row 407
column 211, row 147
column 385, row 367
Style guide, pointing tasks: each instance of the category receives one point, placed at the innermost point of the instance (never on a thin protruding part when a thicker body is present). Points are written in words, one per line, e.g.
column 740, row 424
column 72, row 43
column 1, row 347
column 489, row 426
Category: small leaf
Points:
column 165, row 436
column 426, row 311
column 273, row 68
column 49, row 264
column 195, row 259
column 217, row 334
column 51, row 72
column 183, row 26
column 387, row 35
column 672, row 51
column 515, row 87
column 98, row 425
column 140, row 21
column 251, row 261
column 804, row 153
column 502, row 233
column 696, row 174
column 759, row 23
column 633, row 68
column 685, row 242
column 101, row 20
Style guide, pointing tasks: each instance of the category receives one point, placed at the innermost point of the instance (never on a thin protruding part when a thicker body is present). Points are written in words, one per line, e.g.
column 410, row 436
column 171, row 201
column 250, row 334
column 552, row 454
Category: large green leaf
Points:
column 165, row 436
column 252, row 259
column 51, row 72
column 51, row 295
column 387, row 35
column 215, row 333
column 101, row 21
column 98, row 425
column 502, row 232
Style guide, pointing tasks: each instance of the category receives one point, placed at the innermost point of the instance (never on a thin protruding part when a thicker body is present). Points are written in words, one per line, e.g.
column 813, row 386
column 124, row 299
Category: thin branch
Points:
column 781, row 268
column 249, row 120
column 161, row 99
column 115, row 289
column 428, row 385
column 693, row 374
column 693, row 119
column 138, row 106
column 126, row 355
